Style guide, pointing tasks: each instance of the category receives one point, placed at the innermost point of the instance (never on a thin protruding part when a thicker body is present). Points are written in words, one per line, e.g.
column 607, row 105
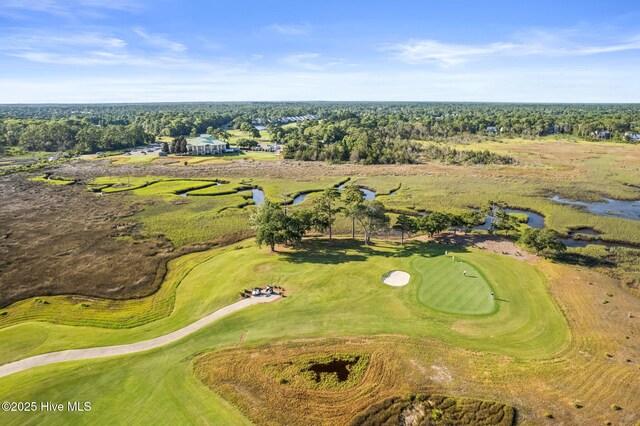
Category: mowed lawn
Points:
column 446, row 288
column 333, row 289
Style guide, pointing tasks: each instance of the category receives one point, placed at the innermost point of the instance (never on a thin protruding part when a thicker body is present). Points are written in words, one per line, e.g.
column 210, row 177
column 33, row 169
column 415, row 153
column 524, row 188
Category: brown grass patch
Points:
column 65, row 240
column 277, row 384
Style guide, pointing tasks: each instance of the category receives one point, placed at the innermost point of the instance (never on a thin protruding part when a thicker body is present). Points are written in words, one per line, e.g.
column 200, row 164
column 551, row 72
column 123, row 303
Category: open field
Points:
column 535, row 371
column 527, row 329
column 65, row 240
column 556, row 340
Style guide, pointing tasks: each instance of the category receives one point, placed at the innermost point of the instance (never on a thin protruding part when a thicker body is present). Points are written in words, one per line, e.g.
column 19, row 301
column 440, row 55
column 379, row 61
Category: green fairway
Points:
column 321, row 280
column 444, row 287
column 342, row 276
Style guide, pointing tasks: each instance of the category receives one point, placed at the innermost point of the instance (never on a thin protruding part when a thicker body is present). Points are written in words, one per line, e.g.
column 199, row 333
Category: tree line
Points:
column 73, row 135
column 275, row 225
column 364, row 132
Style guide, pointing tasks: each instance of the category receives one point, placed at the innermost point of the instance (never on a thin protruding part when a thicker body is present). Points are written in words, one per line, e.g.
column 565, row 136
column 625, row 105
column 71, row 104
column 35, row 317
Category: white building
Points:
column 205, row 145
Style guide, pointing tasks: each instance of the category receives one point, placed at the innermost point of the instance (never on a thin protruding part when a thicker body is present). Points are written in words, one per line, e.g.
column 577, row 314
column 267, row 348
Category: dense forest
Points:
column 358, row 132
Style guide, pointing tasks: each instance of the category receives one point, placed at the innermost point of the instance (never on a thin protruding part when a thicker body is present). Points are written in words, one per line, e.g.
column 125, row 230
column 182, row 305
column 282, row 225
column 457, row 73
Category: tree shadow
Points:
column 582, row 260
column 325, row 251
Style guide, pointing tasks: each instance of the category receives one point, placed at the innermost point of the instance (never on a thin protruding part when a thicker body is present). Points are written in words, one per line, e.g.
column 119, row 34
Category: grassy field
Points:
column 518, row 327
column 345, row 280
column 523, row 348
column 555, row 340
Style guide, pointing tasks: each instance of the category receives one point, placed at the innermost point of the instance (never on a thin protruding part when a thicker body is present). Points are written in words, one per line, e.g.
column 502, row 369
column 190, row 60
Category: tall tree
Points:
column 352, row 197
column 504, row 221
column 406, row 225
column 372, row 218
column 472, row 218
column 434, row 223
column 269, row 222
column 325, row 209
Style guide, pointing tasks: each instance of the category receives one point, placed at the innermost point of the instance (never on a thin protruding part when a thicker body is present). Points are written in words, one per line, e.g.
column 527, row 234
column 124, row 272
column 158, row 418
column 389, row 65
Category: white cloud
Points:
column 66, row 9
column 600, row 84
column 160, row 40
column 560, row 43
column 55, row 41
column 309, row 61
column 91, row 48
column 290, row 29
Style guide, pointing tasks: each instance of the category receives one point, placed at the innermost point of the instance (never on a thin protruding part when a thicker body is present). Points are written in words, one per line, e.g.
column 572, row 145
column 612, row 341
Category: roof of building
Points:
column 204, row 140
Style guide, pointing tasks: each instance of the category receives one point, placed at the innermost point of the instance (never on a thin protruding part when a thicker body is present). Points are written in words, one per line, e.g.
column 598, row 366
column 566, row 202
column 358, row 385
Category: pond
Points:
column 609, row 207
column 257, row 195
column 368, row 194
column 299, row 198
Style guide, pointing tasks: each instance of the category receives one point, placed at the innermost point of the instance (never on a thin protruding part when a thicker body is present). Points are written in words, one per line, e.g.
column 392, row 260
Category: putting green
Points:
column 444, row 287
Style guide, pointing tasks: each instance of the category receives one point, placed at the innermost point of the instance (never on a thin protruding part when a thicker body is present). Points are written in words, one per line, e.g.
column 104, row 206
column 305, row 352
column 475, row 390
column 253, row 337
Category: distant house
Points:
column 601, row 134
column 633, row 137
column 492, row 129
column 269, row 147
column 205, row 145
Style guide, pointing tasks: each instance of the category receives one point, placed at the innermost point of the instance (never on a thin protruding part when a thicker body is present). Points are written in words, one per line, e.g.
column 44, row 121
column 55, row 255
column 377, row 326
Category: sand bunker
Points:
column 396, row 278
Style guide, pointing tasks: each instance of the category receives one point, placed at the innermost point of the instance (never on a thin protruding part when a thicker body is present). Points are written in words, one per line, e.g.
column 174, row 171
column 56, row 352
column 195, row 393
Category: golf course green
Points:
column 320, row 280
column 454, row 286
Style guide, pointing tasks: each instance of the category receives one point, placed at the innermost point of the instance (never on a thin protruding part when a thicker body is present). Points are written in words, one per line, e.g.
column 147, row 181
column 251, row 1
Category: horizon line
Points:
column 316, row 101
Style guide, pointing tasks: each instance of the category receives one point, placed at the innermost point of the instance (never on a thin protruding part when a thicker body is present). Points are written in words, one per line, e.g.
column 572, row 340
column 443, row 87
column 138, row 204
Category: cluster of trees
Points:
column 543, row 241
column 365, row 132
column 245, row 143
column 454, row 156
column 274, row 225
column 70, row 135
column 177, row 146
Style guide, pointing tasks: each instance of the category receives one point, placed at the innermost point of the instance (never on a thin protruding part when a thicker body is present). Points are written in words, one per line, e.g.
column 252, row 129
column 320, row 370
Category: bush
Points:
column 616, row 407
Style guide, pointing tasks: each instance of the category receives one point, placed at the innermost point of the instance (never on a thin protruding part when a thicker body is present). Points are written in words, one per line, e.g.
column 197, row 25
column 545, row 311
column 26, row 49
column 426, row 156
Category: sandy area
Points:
column 396, row 278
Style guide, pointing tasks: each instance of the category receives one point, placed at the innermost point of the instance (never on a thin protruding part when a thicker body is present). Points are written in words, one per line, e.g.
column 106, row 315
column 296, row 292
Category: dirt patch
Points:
column 492, row 243
column 66, row 240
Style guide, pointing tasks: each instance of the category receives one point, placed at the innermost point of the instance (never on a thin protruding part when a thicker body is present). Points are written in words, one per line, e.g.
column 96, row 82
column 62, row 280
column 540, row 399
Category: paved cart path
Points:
column 131, row 348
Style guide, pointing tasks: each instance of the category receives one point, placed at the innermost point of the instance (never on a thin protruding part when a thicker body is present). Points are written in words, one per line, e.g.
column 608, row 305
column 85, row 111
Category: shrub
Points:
column 616, row 407
column 548, row 415
column 436, row 414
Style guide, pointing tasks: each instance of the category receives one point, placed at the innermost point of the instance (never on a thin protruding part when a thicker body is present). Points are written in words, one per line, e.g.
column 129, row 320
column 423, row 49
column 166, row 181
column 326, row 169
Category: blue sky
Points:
column 454, row 50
